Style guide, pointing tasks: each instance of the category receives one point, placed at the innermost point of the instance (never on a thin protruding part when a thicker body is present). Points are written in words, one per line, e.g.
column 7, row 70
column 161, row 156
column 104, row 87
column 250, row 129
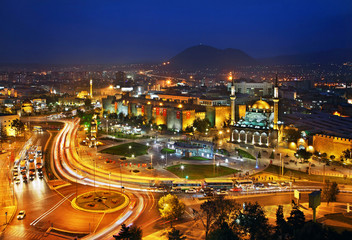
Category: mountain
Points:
column 202, row 56
column 323, row 57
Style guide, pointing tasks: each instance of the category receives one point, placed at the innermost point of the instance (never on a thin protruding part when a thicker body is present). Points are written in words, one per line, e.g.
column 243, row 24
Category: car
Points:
column 208, row 193
column 259, row 188
column 191, row 190
column 17, row 181
column 15, row 167
column 161, row 189
column 31, row 177
column 312, row 165
column 21, row 215
column 236, row 189
column 222, row 192
column 287, row 163
column 291, row 160
column 273, row 184
column 285, row 183
column 40, row 175
column 123, row 158
column 175, row 190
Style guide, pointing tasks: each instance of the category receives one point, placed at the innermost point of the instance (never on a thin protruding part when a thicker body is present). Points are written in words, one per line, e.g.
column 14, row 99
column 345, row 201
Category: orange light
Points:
column 180, row 106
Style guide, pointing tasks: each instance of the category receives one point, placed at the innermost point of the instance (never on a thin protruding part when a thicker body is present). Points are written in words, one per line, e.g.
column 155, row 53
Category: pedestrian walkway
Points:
column 17, row 232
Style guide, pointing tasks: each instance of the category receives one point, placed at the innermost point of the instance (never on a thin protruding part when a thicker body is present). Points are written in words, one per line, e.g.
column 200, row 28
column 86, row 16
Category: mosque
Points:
column 259, row 125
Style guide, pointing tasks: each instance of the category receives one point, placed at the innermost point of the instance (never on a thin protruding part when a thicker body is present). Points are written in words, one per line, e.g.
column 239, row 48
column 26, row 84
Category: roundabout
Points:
column 100, row 201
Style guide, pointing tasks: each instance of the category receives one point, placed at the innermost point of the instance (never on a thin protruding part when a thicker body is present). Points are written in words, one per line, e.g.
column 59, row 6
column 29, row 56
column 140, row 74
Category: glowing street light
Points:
column 182, row 168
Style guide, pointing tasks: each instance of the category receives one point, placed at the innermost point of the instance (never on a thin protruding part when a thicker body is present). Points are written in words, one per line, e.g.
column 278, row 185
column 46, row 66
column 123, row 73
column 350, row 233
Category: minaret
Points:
column 276, row 104
column 91, row 88
column 233, row 103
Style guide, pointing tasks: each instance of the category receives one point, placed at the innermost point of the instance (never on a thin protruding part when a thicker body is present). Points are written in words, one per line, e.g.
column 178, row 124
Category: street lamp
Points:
column 182, row 167
column 151, row 161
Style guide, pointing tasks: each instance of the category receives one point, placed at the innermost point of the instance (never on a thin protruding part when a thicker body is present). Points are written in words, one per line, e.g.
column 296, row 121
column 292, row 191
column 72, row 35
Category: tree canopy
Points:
column 170, row 207
column 330, row 192
column 129, row 233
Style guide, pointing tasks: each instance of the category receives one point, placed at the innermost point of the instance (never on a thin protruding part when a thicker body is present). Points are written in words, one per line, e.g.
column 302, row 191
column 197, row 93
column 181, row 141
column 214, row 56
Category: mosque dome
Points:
column 261, row 105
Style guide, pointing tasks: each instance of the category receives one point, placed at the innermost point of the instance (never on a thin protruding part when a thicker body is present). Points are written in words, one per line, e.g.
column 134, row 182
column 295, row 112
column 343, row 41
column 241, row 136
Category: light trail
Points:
column 50, row 210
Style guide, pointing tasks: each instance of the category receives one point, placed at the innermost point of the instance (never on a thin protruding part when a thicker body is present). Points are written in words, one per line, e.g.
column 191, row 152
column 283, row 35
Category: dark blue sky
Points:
column 114, row 31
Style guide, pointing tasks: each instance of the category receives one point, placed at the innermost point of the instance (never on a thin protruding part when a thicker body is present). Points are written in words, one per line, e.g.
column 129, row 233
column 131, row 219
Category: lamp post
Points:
column 151, row 161
column 182, row 167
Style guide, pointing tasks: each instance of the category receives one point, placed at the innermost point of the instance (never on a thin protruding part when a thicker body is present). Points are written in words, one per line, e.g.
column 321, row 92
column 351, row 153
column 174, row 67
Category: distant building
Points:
column 195, row 148
column 259, row 89
column 5, row 123
column 120, row 78
column 27, row 107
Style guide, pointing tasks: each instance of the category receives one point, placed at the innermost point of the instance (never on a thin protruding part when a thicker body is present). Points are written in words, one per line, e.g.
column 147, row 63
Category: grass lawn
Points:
column 136, row 148
column 275, row 170
column 167, row 150
column 194, row 171
column 198, row 158
column 245, row 154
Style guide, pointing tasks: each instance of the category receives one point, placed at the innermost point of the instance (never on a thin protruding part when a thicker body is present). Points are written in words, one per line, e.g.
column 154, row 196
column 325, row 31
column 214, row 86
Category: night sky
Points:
column 114, row 31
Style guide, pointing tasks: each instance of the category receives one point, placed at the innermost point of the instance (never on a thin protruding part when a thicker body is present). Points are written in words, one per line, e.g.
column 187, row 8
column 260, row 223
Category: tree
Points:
column 218, row 211
column 302, row 153
column 347, row 153
column 223, row 232
column 254, row 221
column 201, row 125
column 272, row 156
column 259, row 155
column 332, row 157
column 175, row 234
column 227, row 122
column 88, row 102
column 129, row 233
column 296, row 219
column 18, row 125
column 3, row 135
column 208, row 212
column 189, row 129
column 281, row 224
column 171, row 208
column 330, row 192
column 292, row 135
column 315, row 231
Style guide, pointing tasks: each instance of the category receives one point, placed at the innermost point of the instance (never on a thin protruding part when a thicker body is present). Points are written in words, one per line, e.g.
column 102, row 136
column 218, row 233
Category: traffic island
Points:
column 100, row 202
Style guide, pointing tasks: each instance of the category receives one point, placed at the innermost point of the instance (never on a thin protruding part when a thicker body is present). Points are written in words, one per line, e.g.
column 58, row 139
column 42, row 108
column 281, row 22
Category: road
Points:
column 51, row 208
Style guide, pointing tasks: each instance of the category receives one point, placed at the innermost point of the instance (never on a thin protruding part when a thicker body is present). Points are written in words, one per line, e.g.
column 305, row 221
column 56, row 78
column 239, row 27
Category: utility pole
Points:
column 282, row 165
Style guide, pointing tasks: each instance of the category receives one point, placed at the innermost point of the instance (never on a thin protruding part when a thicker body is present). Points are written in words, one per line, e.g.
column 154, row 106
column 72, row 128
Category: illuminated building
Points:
column 260, row 125
column 5, row 123
column 91, row 88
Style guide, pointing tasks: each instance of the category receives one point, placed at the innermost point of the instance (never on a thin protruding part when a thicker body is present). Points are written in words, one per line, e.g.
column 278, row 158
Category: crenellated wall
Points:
column 330, row 144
